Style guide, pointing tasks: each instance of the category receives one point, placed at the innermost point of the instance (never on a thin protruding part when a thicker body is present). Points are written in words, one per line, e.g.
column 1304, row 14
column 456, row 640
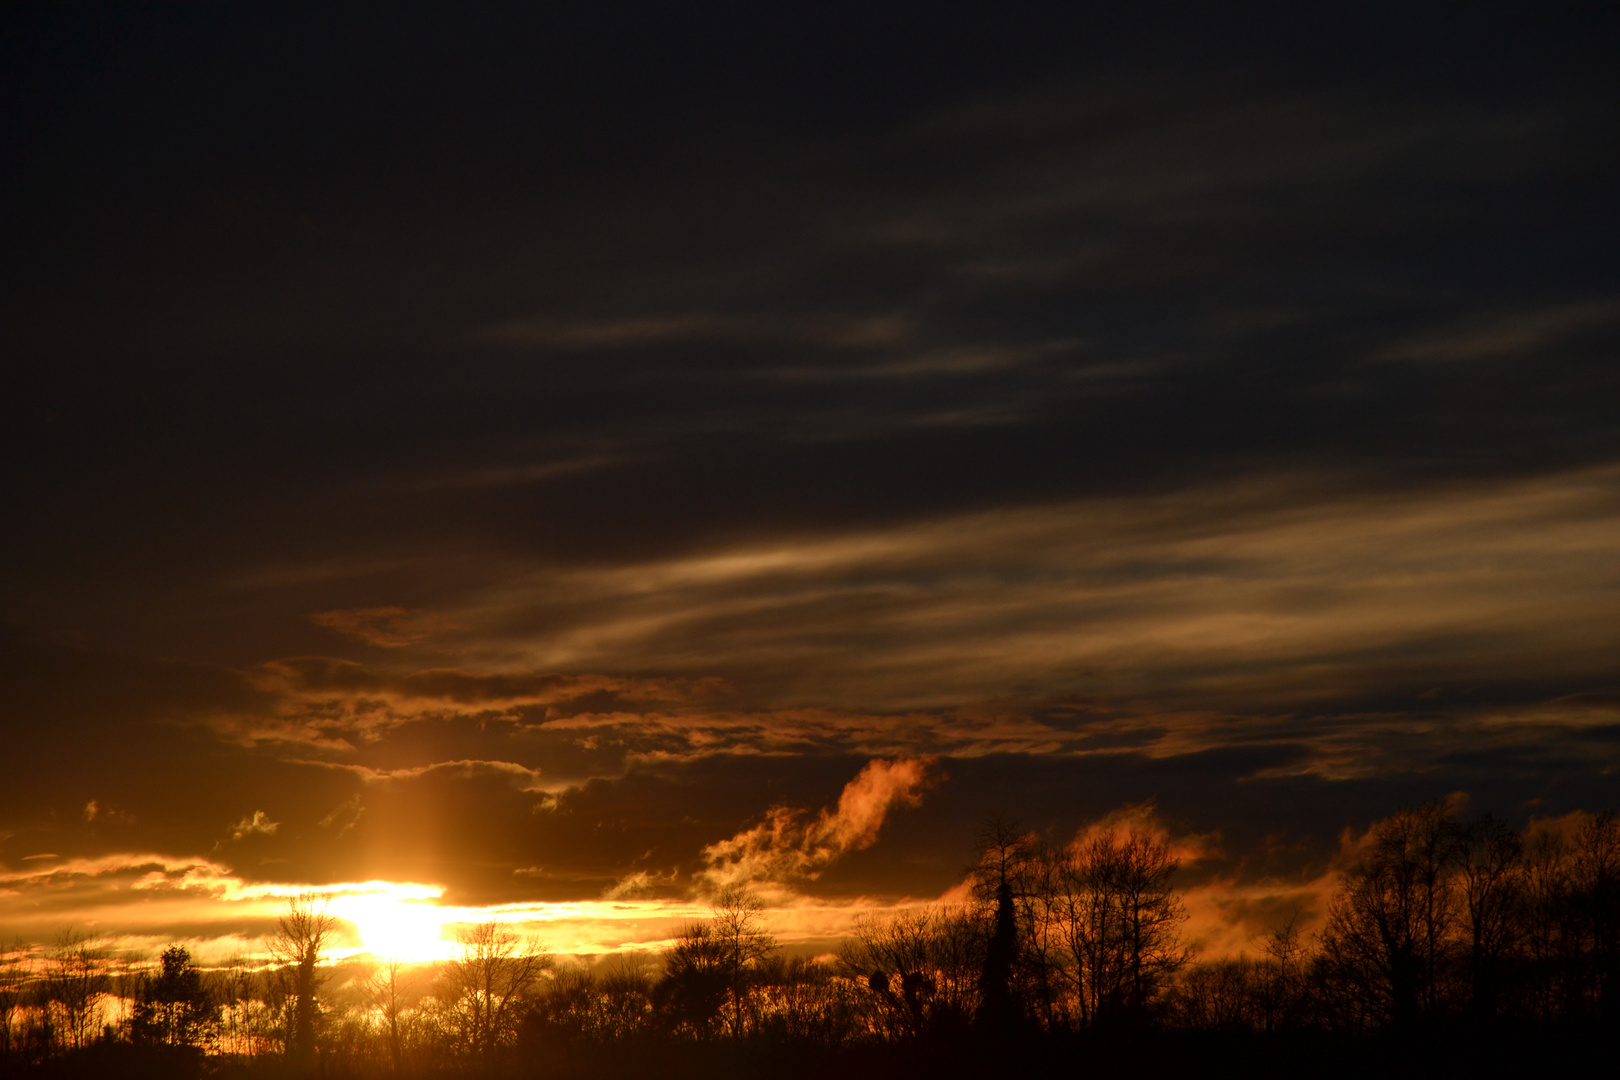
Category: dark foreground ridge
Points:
column 1456, row 1053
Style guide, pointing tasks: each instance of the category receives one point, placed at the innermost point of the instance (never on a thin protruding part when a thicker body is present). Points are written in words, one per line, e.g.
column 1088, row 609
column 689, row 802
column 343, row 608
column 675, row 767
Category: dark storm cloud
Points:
column 520, row 453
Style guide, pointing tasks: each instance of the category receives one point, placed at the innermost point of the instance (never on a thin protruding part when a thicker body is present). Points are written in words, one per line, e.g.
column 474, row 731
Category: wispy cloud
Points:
column 793, row 845
column 1283, row 591
column 259, row 824
column 385, row 627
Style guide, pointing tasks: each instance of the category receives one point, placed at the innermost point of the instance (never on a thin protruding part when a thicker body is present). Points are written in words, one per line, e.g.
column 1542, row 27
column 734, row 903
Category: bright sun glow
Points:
column 397, row 923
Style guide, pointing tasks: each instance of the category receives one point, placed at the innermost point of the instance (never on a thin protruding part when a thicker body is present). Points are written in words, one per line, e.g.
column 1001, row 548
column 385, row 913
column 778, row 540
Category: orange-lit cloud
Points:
column 1228, row 913
column 790, row 845
column 1142, row 820
column 259, row 823
column 1272, row 590
column 137, row 904
column 1227, row 917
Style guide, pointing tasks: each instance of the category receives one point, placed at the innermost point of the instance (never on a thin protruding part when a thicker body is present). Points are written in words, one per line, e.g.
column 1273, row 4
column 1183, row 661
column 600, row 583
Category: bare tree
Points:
column 921, row 967
column 1552, row 937
column 11, row 997
column 1281, row 980
column 246, row 1025
column 739, row 928
column 1218, row 995
column 302, row 937
column 1122, row 923
column 74, row 983
column 487, row 983
column 1595, row 882
column 697, row 981
column 709, row 971
column 388, row 999
column 625, row 986
column 1079, row 935
column 1390, row 931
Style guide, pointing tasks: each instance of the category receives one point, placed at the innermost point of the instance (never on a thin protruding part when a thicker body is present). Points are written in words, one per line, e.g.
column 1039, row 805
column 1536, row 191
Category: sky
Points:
column 563, row 465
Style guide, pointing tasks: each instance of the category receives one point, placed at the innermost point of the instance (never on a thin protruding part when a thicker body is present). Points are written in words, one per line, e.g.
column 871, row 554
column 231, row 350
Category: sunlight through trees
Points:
column 1439, row 926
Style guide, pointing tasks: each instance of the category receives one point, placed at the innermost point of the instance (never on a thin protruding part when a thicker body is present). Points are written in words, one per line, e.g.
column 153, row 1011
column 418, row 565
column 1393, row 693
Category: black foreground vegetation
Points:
column 1451, row 949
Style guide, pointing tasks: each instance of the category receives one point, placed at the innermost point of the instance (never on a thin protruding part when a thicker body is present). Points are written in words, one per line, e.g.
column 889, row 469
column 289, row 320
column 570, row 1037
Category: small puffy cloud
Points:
column 790, row 844
column 257, row 825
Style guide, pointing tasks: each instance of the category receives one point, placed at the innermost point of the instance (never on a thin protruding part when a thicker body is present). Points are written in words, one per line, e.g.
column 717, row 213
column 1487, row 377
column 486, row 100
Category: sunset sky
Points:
column 560, row 467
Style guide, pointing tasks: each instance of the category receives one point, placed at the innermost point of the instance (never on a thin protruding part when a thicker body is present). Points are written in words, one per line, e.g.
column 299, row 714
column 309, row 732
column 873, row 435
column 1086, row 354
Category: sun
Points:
column 396, row 923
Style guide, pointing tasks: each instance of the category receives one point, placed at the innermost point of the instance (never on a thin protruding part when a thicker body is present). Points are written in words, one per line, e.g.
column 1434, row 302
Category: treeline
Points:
column 1437, row 922
column 1464, row 930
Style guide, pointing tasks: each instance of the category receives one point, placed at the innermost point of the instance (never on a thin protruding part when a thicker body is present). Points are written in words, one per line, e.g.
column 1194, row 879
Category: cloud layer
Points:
column 543, row 458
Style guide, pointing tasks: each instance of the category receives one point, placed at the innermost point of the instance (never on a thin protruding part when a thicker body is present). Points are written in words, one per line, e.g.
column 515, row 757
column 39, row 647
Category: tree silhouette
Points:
column 1434, row 922
column 12, row 982
column 1004, row 856
column 922, row 968
column 387, row 997
column 712, row 965
column 1282, row 977
column 173, row 1008
column 739, row 928
column 1490, row 857
column 1388, row 933
column 74, row 983
column 300, row 941
column 697, row 981
column 487, row 983
column 1595, row 872
column 1087, row 934
column 1122, row 922
column 999, row 1007
column 626, row 988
